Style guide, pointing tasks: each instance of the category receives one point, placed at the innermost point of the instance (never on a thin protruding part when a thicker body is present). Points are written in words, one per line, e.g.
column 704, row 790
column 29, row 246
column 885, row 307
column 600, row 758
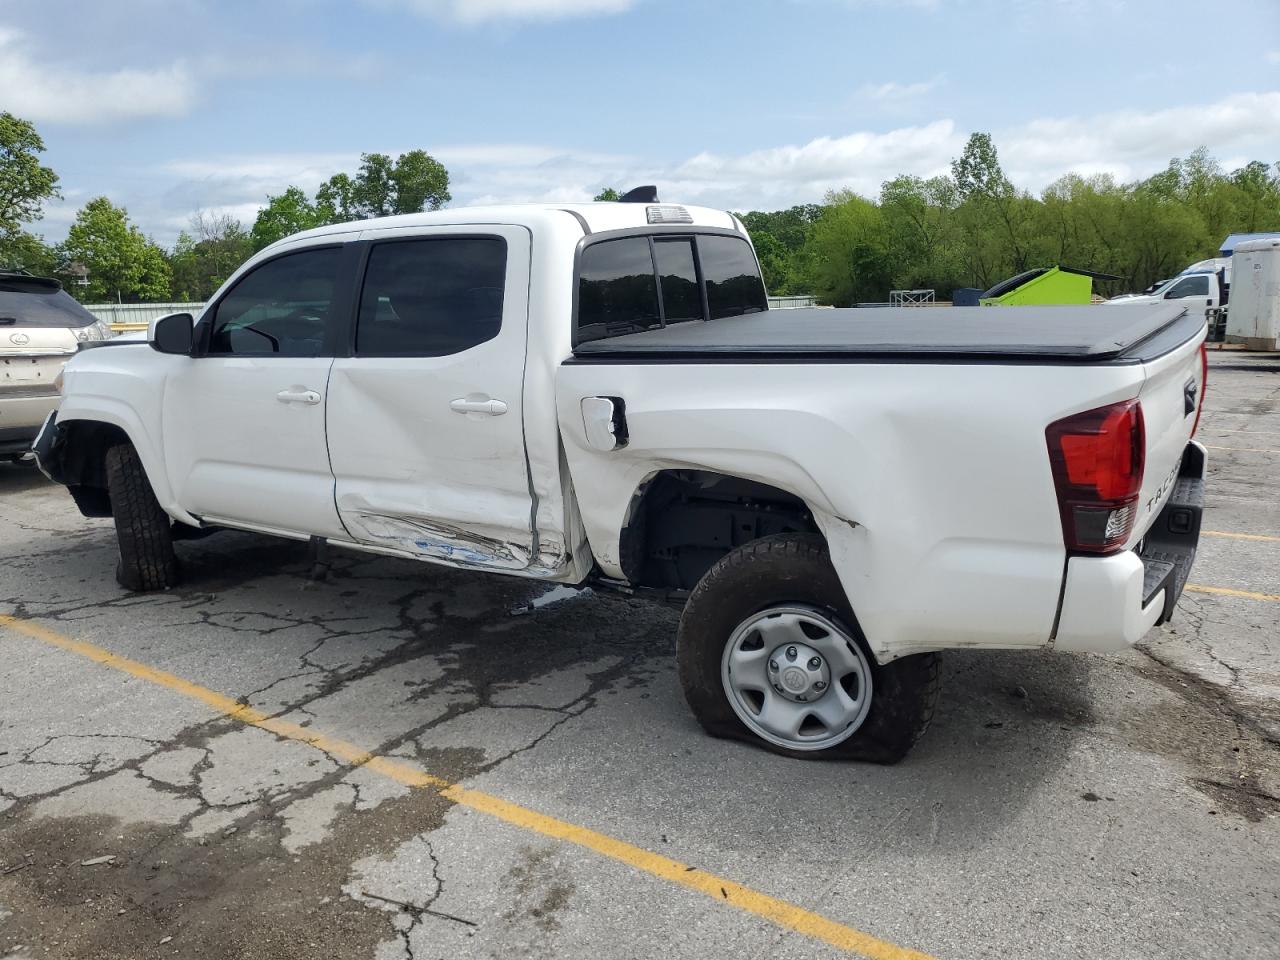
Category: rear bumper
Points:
column 20, row 420
column 1109, row 603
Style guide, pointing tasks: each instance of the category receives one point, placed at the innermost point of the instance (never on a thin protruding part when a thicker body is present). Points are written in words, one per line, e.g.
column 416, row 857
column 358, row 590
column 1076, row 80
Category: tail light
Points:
column 1097, row 459
column 1204, row 385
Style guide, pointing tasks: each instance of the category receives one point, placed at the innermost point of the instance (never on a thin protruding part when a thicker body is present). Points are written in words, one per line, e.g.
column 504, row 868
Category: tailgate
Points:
column 30, row 358
column 29, row 375
column 1171, row 395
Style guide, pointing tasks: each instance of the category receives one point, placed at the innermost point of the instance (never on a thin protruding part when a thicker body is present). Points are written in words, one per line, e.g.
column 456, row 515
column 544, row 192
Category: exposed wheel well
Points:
column 82, row 463
column 683, row 521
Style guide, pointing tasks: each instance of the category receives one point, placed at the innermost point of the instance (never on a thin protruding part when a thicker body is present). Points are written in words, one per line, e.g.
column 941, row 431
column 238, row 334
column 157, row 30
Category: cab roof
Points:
column 598, row 216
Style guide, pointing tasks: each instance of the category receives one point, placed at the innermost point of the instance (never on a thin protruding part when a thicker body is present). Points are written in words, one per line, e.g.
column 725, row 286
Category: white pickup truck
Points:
column 598, row 393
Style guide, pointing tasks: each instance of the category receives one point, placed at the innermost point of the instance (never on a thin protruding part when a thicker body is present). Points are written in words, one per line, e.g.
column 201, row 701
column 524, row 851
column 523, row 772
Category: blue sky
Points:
column 174, row 106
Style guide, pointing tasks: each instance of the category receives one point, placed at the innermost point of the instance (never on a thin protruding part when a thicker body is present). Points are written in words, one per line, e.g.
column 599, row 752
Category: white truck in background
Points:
column 1204, row 286
column 598, row 393
column 1251, row 318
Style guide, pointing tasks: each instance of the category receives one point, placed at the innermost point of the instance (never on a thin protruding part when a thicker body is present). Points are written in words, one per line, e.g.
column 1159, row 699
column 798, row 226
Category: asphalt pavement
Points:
column 402, row 761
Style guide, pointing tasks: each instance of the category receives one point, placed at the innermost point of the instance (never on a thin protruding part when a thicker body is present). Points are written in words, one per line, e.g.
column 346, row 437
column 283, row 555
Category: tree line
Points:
column 106, row 257
column 969, row 228
column 973, row 228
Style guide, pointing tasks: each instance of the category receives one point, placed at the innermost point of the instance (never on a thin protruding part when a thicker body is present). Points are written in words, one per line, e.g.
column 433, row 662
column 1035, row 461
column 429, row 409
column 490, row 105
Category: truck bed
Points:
column 1041, row 334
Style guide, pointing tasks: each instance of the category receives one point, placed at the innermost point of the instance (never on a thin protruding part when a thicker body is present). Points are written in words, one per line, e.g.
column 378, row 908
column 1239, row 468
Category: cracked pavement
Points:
column 1061, row 805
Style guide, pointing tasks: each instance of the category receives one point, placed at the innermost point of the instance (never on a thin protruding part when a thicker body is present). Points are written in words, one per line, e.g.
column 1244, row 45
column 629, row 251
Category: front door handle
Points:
column 478, row 403
column 298, row 395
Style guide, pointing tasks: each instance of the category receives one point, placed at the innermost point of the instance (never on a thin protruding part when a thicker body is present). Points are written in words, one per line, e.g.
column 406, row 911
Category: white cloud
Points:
column 1128, row 144
column 1133, row 143
column 896, row 93
column 479, row 11
column 1273, row 56
column 859, row 160
column 65, row 94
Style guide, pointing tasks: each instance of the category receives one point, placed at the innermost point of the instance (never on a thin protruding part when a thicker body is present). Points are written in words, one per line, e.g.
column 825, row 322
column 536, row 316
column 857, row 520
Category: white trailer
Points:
column 1254, row 315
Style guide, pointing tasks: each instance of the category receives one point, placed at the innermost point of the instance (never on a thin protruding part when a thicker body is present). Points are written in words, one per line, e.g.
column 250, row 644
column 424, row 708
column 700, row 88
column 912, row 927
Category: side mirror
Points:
column 172, row 334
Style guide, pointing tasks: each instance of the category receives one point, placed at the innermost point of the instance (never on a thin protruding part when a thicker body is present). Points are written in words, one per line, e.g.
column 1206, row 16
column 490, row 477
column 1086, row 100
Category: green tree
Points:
column 775, row 263
column 284, row 215
column 336, row 200
column 780, row 239
column 206, row 255
column 1257, row 187
column 923, row 238
column 849, row 251
column 420, row 182
column 607, row 194
column 414, row 182
column 25, row 183
column 26, row 251
column 375, row 189
column 994, row 217
column 123, row 264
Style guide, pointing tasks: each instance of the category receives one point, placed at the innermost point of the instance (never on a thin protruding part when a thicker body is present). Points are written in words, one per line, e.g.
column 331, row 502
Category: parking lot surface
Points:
column 404, row 761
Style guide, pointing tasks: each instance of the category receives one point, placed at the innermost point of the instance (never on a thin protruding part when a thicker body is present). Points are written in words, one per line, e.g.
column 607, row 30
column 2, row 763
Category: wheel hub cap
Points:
column 796, row 677
column 799, row 672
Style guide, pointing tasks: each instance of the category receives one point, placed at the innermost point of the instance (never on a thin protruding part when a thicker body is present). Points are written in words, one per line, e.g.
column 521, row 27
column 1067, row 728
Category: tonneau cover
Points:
column 1053, row 333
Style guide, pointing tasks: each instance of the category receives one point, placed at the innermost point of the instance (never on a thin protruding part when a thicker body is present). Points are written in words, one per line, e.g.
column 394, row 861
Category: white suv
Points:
column 40, row 327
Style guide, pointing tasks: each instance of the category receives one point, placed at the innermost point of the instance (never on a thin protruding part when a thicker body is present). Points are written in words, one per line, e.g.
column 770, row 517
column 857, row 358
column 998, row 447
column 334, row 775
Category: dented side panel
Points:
column 428, row 453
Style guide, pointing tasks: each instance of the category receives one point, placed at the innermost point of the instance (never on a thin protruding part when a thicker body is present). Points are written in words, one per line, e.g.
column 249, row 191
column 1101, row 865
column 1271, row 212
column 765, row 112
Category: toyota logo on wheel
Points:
column 19, row 339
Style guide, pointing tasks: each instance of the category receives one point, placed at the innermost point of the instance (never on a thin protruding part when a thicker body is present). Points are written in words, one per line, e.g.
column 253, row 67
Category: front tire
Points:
column 769, row 652
column 143, row 529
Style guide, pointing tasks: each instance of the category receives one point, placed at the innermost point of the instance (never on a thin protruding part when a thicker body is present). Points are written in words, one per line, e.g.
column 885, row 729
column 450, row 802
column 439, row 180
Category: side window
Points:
column 617, row 290
column 678, row 277
column 431, row 297
column 1197, row 286
column 733, row 279
column 282, row 307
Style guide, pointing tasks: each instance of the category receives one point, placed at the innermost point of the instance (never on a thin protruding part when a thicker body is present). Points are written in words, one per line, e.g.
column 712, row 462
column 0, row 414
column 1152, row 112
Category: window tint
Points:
column 733, row 279
column 283, row 307
column 39, row 303
column 640, row 282
column 1197, row 286
column 617, row 292
column 678, row 277
column 431, row 298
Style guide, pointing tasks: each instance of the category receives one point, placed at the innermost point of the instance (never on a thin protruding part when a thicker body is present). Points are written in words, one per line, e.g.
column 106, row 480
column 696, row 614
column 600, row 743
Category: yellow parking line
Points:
column 1241, row 536
column 1229, row 592
column 785, row 915
column 1243, row 449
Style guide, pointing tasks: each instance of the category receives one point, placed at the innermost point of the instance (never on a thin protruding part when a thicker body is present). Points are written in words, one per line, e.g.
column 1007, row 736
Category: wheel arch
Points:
column 681, row 521
column 80, row 459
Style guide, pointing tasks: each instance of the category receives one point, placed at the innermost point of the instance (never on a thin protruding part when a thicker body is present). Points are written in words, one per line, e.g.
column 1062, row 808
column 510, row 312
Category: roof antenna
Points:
column 648, row 194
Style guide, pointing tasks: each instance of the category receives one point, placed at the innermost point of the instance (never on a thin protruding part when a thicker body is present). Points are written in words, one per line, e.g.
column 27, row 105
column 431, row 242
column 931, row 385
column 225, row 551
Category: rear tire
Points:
column 143, row 529
column 790, row 576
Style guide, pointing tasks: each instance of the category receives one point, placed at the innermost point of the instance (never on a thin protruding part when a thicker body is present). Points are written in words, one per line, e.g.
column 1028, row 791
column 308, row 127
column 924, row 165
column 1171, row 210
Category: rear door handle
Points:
column 298, row 395
column 478, row 403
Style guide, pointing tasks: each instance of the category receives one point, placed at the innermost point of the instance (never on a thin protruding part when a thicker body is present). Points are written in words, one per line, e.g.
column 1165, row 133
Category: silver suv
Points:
column 40, row 327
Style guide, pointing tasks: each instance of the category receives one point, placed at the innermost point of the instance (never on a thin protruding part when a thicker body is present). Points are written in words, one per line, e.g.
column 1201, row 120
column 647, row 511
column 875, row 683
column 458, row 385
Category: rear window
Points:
column 678, row 279
column 733, row 279
column 617, row 289
column 32, row 302
column 637, row 283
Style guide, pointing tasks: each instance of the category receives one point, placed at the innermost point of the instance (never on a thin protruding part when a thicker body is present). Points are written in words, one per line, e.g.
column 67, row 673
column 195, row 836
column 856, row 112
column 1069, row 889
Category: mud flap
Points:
column 1169, row 548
